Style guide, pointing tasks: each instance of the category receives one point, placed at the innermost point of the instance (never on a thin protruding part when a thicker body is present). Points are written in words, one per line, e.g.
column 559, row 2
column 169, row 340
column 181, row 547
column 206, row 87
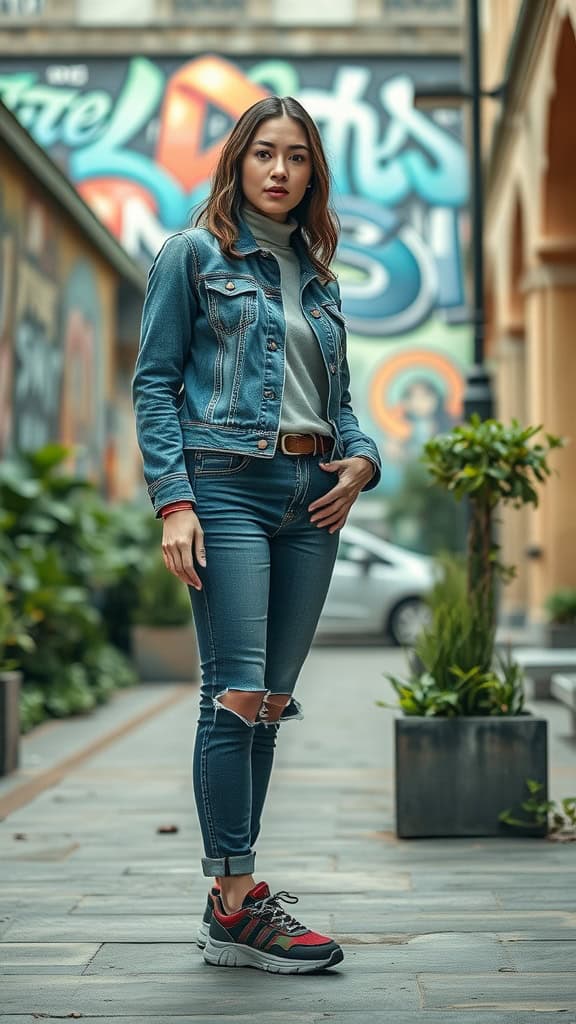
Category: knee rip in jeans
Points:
column 269, row 709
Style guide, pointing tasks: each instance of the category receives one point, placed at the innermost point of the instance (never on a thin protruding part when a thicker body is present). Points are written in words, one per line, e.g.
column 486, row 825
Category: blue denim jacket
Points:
column 210, row 368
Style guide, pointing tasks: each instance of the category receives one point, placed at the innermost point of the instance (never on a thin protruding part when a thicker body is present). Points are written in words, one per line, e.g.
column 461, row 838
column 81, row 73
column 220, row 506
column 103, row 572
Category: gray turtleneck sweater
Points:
column 305, row 399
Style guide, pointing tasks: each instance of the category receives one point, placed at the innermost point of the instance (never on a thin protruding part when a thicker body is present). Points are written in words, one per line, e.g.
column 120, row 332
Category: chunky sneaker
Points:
column 204, row 927
column 265, row 936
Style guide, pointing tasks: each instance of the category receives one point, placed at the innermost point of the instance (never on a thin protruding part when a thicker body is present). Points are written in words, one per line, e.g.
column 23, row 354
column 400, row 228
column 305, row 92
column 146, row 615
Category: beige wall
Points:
column 531, row 253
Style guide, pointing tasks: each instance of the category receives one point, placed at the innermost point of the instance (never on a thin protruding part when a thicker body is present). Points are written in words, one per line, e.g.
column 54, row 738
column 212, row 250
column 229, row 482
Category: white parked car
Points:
column 377, row 589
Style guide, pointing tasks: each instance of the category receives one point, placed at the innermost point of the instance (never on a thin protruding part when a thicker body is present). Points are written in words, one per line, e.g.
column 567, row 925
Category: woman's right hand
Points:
column 181, row 536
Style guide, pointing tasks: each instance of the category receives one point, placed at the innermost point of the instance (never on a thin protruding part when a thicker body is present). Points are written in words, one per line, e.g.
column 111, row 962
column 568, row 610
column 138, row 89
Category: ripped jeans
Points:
column 265, row 582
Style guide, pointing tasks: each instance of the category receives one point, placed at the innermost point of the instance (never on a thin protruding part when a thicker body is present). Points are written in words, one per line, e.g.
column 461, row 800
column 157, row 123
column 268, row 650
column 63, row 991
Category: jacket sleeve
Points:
column 355, row 441
column 158, row 386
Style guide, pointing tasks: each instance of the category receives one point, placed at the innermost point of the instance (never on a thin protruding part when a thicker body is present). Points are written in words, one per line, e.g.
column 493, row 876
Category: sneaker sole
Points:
column 231, row 954
column 202, row 934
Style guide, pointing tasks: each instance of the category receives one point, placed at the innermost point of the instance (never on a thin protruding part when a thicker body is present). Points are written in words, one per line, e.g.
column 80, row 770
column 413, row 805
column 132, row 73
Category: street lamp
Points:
column 478, row 391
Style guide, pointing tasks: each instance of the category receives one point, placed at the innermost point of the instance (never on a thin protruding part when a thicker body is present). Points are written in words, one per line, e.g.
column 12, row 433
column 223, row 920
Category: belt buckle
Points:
column 283, row 448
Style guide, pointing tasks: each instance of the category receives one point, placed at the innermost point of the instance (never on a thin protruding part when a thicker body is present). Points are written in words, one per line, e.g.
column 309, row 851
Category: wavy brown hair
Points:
column 221, row 212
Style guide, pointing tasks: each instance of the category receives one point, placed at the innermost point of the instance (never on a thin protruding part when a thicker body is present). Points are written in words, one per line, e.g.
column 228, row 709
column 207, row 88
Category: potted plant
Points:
column 163, row 636
column 561, row 608
column 12, row 639
column 465, row 743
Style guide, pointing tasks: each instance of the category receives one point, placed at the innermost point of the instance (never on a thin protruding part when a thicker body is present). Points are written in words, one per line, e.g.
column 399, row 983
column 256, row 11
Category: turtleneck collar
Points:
column 271, row 233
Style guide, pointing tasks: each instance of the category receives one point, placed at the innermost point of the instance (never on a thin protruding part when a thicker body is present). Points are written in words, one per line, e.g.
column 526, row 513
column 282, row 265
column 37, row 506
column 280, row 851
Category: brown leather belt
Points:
column 304, row 444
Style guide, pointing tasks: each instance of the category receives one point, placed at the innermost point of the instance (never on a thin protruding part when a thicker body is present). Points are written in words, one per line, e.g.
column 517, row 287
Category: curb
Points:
column 27, row 791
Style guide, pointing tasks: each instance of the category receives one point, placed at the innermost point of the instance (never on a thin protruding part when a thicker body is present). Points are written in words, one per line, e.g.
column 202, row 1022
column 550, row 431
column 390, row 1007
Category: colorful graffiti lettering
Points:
column 37, row 349
column 140, row 139
column 384, row 154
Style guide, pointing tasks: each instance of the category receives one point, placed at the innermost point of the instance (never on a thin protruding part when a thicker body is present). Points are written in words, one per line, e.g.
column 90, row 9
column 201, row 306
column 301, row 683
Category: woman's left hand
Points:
column 332, row 509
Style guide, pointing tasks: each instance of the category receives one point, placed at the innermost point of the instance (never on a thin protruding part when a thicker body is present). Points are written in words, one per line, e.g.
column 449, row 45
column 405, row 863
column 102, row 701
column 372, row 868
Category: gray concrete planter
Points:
column 165, row 654
column 560, row 634
column 10, row 683
column 455, row 775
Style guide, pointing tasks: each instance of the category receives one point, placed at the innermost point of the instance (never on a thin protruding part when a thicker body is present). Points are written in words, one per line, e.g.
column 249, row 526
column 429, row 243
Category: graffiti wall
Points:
column 140, row 137
column 55, row 331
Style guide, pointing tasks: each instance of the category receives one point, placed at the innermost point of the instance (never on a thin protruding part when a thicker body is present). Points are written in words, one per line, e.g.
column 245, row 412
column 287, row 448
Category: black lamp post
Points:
column 478, row 390
column 478, row 393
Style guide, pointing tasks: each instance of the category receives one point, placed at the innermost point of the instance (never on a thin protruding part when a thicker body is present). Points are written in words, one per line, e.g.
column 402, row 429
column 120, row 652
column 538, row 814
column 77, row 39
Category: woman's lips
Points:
column 276, row 191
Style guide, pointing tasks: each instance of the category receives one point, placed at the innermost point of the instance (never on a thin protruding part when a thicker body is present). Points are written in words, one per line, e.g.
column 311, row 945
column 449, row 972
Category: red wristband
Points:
column 175, row 506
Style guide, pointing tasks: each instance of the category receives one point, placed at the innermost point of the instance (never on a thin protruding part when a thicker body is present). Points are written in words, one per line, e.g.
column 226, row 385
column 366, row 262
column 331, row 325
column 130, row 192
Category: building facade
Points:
column 256, row 27
column 531, row 269
column 69, row 304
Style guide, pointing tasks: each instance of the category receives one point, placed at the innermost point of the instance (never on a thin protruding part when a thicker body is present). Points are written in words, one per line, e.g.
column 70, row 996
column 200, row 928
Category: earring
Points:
column 308, row 186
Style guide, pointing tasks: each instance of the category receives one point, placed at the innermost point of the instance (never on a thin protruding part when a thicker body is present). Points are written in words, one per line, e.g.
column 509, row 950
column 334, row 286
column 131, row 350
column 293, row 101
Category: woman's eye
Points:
column 261, row 153
column 298, row 158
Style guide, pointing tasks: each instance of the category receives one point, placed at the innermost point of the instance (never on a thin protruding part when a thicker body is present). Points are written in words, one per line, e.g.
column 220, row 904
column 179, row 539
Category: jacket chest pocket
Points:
column 232, row 304
column 337, row 327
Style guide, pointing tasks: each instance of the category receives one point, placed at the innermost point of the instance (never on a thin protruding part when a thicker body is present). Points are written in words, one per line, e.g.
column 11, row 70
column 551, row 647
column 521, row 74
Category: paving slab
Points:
column 208, row 990
column 550, row 991
column 98, row 911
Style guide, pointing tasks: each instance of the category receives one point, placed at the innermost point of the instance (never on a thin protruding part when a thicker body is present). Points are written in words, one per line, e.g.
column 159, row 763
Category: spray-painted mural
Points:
column 140, row 138
column 54, row 346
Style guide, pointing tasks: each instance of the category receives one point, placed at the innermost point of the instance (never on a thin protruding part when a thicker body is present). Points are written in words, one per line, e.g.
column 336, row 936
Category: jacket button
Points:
column 332, row 368
column 271, row 346
column 316, row 313
column 262, row 443
column 230, row 286
column 269, row 393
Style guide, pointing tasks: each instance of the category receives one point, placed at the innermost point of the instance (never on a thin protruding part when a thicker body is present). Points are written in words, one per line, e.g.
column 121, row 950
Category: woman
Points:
column 253, row 457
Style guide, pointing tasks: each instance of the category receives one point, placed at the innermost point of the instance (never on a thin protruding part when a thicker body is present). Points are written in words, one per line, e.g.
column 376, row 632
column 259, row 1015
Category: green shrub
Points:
column 58, row 553
column 561, row 606
column 162, row 599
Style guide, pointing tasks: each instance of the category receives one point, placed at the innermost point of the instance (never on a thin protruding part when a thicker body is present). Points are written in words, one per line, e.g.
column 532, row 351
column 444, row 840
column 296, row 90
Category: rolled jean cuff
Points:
column 221, row 867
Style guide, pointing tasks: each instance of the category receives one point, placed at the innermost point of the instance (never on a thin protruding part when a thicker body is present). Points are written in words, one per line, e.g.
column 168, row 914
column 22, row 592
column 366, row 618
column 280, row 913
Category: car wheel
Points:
column 407, row 619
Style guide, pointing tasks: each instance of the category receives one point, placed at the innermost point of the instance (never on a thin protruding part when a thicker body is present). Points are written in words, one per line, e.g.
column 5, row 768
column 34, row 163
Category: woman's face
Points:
column 277, row 167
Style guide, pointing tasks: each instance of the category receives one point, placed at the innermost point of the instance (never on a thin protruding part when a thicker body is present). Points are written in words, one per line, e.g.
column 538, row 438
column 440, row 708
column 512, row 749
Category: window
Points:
column 21, row 8
column 115, row 12
column 314, row 12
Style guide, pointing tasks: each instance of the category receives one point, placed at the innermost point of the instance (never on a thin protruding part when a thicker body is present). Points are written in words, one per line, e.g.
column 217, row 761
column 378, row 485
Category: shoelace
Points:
column 270, row 909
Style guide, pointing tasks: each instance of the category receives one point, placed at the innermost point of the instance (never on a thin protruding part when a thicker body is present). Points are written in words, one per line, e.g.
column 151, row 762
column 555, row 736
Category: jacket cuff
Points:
column 175, row 487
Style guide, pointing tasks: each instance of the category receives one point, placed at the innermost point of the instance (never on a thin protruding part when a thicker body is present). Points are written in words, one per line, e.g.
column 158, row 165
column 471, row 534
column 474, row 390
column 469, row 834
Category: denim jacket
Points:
column 211, row 362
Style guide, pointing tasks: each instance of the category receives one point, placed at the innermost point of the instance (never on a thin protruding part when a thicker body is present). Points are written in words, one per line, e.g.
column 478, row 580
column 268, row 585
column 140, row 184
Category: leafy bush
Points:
column 435, row 520
column 162, row 599
column 57, row 556
column 561, row 606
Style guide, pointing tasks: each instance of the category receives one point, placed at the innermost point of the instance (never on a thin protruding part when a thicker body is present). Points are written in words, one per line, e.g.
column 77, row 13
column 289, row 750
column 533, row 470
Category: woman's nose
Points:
column 279, row 169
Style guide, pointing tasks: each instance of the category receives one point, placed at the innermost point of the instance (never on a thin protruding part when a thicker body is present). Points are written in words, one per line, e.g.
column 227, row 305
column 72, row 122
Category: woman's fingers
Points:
column 199, row 550
column 334, row 515
column 185, row 566
column 321, row 517
column 181, row 537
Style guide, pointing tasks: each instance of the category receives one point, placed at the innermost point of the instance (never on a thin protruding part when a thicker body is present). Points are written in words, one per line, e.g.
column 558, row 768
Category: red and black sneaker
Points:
column 204, row 927
column 265, row 936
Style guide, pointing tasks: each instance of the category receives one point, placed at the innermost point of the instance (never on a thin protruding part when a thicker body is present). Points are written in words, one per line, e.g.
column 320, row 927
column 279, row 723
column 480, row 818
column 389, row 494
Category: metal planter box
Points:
column 167, row 654
column 10, row 683
column 455, row 775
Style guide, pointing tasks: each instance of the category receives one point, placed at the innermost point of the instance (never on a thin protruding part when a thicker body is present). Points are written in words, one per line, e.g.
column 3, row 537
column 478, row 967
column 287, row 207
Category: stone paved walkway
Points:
column 98, row 911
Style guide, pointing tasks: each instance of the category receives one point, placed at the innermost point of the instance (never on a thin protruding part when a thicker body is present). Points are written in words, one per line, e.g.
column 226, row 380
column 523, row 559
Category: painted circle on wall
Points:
column 396, row 374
